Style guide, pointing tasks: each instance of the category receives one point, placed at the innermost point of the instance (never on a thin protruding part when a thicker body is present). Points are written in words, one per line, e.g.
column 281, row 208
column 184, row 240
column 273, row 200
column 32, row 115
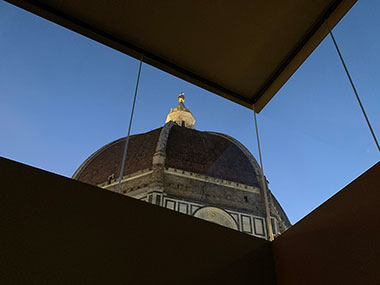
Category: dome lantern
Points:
column 181, row 115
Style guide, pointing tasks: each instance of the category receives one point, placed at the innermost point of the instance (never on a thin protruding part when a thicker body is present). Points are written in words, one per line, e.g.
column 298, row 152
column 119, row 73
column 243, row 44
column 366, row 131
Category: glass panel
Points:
column 314, row 137
column 66, row 102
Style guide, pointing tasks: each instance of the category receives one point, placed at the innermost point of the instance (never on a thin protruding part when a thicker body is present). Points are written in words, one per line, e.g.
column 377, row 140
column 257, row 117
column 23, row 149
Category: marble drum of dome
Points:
column 204, row 174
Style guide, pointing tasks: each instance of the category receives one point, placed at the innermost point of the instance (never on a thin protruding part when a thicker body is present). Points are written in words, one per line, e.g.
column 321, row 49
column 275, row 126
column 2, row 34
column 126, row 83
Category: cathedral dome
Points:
column 204, row 174
column 211, row 154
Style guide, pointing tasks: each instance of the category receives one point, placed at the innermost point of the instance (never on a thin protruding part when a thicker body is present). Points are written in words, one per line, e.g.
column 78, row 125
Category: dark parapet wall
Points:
column 339, row 242
column 56, row 230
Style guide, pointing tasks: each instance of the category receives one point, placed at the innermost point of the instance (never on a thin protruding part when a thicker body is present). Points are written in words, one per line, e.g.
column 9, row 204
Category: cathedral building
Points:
column 208, row 175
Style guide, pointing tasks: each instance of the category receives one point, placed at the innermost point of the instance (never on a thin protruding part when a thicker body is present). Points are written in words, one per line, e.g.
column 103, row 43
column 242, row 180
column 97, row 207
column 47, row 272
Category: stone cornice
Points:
column 210, row 179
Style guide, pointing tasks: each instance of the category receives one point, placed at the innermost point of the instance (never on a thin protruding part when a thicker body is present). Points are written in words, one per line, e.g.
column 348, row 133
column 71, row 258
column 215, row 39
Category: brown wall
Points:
column 54, row 230
column 339, row 242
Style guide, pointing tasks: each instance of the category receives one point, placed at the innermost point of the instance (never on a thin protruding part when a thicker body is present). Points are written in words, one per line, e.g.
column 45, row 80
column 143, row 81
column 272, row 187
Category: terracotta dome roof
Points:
column 107, row 160
column 187, row 149
column 209, row 154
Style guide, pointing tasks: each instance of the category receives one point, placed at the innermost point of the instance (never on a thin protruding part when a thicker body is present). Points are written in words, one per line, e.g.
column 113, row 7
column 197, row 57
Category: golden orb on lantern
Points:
column 181, row 97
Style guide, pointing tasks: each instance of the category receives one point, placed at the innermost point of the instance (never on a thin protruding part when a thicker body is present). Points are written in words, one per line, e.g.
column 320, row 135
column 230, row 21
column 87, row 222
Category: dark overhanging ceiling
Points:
column 244, row 51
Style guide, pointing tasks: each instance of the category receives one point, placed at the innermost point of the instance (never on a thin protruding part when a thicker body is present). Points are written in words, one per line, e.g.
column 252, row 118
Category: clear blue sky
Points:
column 63, row 96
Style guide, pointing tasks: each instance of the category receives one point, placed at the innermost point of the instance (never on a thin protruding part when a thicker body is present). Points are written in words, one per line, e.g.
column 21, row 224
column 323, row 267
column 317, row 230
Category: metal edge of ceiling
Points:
column 333, row 15
column 107, row 39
